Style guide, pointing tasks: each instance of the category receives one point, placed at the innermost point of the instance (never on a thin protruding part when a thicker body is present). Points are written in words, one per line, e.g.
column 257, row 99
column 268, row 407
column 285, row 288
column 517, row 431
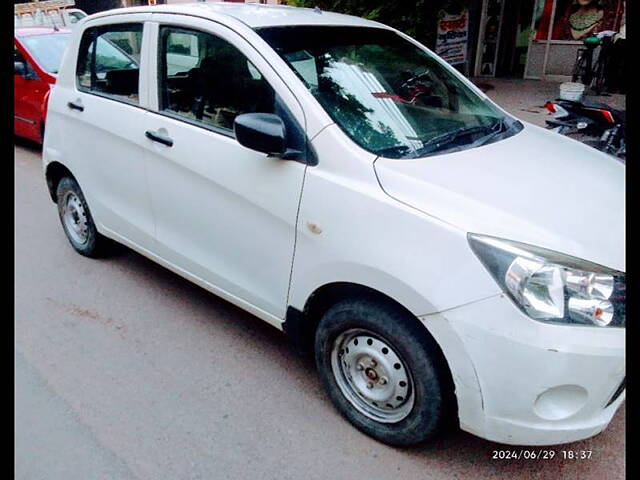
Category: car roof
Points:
column 40, row 30
column 253, row 15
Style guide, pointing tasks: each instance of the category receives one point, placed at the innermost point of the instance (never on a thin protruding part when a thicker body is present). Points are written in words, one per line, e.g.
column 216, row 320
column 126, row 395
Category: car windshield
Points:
column 47, row 49
column 75, row 17
column 391, row 97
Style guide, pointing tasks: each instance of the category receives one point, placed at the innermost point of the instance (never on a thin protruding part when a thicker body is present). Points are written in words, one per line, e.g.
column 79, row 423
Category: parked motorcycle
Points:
column 595, row 124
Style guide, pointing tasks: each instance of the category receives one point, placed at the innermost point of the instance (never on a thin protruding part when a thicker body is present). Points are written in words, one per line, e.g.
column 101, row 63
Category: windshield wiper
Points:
column 446, row 139
column 500, row 126
column 436, row 143
column 393, row 151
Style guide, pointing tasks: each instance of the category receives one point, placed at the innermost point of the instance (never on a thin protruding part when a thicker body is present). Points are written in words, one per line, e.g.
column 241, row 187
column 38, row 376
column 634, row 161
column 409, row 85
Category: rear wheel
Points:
column 77, row 221
column 383, row 371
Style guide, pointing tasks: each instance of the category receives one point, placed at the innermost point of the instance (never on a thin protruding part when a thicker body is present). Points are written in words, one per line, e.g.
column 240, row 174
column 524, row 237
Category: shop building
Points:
column 535, row 39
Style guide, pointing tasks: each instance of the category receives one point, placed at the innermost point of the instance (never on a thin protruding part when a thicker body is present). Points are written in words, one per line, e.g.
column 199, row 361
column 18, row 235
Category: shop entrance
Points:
column 505, row 31
column 514, row 38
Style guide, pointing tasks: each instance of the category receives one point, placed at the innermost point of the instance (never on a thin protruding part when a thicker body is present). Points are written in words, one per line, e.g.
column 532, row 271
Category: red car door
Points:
column 29, row 96
column 37, row 52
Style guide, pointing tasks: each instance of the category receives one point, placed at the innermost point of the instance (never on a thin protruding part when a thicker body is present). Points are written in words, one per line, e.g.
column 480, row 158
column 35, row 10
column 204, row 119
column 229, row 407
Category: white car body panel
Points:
column 253, row 15
column 377, row 241
column 103, row 135
column 236, row 227
column 573, row 206
column 266, row 233
column 504, row 364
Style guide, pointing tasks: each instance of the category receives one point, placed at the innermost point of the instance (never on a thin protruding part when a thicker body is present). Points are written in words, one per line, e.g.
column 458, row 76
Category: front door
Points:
column 224, row 214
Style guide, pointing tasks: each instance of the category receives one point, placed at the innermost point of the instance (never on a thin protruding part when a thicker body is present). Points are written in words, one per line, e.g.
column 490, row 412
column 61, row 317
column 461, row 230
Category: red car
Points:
column 37, row 55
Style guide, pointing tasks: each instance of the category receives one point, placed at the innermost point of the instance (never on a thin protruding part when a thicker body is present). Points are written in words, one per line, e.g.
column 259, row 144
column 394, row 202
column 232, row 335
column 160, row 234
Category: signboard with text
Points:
column 451, row 43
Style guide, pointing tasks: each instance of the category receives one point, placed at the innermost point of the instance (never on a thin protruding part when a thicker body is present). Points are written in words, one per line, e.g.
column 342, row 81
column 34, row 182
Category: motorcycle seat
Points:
column 618, row 115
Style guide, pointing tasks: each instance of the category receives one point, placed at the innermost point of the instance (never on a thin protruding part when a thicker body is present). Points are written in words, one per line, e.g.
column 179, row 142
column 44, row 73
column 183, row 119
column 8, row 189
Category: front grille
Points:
column 617, row 393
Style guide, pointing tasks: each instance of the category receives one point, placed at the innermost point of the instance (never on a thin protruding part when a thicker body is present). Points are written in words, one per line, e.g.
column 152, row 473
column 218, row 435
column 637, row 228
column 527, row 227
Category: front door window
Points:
column 206, row 80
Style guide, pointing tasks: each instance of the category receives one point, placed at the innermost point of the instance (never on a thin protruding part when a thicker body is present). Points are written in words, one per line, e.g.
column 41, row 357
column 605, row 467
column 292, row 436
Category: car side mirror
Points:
column 263, row 132
column 19, row 68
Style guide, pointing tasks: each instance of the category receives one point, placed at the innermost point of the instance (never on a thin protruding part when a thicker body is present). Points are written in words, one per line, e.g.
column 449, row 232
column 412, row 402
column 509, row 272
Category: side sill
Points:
column 258, row 312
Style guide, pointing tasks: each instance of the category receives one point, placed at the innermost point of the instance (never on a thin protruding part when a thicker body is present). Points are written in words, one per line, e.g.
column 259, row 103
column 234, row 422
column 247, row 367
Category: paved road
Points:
column 126, row 371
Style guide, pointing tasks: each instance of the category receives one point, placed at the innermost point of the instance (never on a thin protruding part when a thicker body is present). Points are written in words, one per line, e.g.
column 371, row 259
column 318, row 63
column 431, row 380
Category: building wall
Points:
column 550, row 55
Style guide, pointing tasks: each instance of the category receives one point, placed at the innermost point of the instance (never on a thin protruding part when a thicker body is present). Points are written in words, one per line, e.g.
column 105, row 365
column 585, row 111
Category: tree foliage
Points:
column 416, row 18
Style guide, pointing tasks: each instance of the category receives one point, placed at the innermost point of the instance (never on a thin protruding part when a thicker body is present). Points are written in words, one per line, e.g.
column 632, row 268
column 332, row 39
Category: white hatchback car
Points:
column 337, row 179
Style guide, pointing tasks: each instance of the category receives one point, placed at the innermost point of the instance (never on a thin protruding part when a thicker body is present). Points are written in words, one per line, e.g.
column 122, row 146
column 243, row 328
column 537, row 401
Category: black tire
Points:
column 433, row 400
column 94, row 245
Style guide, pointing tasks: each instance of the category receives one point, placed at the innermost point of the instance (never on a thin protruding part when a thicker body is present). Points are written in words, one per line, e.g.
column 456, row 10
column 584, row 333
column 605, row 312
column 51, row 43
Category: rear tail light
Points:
column 607, row 115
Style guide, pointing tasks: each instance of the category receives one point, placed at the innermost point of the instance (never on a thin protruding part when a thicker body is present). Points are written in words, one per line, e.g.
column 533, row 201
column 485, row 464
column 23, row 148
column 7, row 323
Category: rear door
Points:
column 224, row 214
column 102, row 113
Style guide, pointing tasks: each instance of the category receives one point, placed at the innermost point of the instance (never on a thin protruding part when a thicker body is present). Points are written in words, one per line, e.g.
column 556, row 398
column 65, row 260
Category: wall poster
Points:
column 574, row 20
column 453, row 31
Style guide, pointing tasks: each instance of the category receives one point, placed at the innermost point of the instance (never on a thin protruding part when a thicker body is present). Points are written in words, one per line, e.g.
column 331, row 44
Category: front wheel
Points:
column 383, row 371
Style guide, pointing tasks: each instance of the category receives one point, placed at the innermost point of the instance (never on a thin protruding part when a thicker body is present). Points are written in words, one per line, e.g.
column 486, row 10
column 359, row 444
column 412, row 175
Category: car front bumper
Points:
column 523, row 382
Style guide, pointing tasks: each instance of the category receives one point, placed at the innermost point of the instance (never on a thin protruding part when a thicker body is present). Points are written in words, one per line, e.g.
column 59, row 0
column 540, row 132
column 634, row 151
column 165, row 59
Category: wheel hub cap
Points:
column 372, row 376
column 74, row 218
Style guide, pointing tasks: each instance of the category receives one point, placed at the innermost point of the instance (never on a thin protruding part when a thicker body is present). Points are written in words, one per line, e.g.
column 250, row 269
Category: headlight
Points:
column 553, row 287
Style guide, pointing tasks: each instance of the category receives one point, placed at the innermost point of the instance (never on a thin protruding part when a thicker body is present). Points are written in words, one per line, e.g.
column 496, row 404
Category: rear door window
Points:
column 109, row 62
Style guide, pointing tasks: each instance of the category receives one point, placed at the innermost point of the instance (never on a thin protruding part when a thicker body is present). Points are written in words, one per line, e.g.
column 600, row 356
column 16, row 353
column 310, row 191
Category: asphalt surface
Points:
column 124, row 370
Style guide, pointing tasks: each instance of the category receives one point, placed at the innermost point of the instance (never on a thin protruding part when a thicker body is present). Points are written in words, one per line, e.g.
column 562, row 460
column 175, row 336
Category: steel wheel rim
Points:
column 372, row 376
column 74, row 218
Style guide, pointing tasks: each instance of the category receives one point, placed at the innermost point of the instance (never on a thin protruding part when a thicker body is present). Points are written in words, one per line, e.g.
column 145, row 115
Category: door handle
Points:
column 159, row 137
column 75, row 106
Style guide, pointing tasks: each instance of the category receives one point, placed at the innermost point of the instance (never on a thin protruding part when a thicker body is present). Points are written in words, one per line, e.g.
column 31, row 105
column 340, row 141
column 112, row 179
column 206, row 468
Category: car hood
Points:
column 535, row 187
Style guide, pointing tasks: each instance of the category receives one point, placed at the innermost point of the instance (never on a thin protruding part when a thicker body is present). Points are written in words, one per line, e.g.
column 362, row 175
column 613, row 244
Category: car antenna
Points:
column 317, row 9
